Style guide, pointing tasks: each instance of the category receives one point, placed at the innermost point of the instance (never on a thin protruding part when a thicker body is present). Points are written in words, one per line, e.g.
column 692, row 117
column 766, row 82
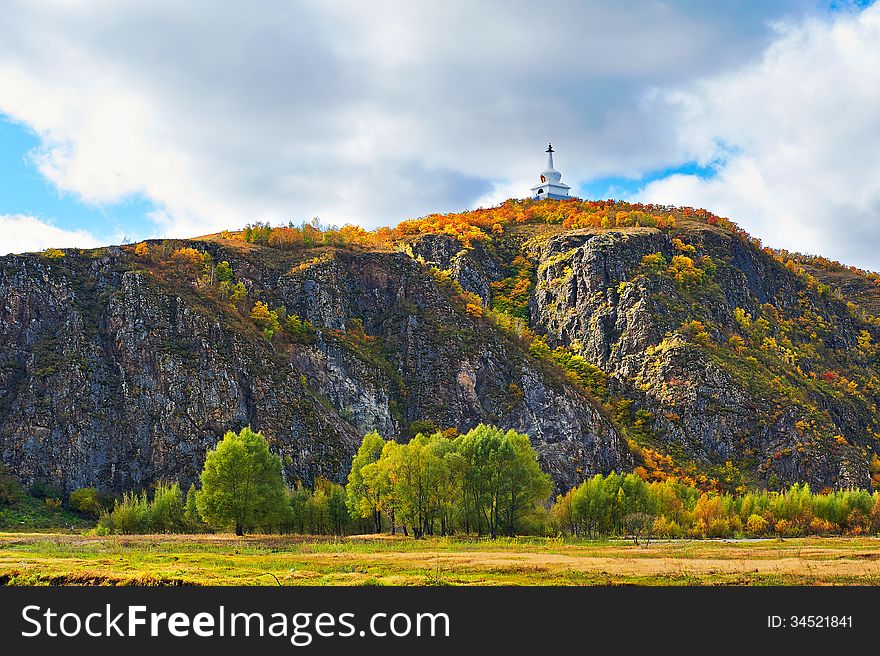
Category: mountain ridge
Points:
column 618, row 336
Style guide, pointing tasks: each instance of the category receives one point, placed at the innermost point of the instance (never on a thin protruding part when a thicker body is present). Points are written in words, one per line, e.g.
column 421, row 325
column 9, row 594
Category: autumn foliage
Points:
column 484, row 224
column 626, row 504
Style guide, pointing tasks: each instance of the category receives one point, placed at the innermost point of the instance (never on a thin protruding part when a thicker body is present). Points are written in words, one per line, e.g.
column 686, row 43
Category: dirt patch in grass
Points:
column 842, row 565
column 30, row 577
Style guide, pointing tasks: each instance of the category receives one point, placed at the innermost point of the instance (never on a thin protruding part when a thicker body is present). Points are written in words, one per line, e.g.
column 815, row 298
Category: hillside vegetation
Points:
column 620, row 337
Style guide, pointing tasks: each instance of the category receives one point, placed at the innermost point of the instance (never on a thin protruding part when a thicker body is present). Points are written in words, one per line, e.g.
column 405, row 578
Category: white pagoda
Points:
column 550, row 186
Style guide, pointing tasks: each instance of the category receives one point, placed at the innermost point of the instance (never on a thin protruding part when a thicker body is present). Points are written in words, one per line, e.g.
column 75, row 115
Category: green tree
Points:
column 167, row 508
column 502, row 477
column 418, row 473
column 448, row 490
column 378, row 478
column 318, row 510
column 524, row 484
column 223, row 272
column 238, row 293
column 298, row 499
column 364, row 501
column 191, row 516
column 340, row 519
column 242, row 483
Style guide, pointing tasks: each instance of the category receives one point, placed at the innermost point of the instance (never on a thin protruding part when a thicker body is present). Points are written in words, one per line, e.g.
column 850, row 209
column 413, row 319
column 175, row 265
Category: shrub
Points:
column 223, row 272
column 136, row 513
column 188, row 263
column 167, row 509
column 756, row 525
column 86, row 500
column 299, row 330
column 130, row 514
column 684, row 272
column 474, row 310
column 266, row 319
column 654, row 262
column 785, row 528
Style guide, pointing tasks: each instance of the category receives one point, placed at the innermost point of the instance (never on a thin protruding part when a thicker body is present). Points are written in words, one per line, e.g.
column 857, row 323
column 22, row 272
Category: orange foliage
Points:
column 484, row 223
column 188, row 262
column 473, row 310
column 573, row 213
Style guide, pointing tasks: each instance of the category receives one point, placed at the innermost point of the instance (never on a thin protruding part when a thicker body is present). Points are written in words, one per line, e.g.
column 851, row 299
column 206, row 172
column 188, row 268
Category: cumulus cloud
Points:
column 794, row 140
column 363, row 112
column 25, row 234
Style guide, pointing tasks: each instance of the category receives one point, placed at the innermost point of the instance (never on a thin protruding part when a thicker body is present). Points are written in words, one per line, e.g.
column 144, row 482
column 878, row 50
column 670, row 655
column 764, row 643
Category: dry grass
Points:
column 385, row 560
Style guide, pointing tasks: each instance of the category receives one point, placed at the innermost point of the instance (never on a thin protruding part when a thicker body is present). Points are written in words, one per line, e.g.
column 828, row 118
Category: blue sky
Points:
column 624, row 187
column 25, row 191
column 162, row 119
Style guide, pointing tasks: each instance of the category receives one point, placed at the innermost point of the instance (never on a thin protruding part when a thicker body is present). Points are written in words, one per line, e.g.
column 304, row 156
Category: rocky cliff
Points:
column 113, row 376
column 755, row 382
column 688, row 351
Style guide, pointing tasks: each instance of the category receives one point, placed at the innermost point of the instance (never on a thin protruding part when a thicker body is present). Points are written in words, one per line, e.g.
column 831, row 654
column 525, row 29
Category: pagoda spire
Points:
column 551, row 185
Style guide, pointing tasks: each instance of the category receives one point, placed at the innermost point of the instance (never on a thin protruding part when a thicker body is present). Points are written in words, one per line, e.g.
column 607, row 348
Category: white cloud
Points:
column 796, row 140
column 364, row 112
column 25, row 234
column 501, row 191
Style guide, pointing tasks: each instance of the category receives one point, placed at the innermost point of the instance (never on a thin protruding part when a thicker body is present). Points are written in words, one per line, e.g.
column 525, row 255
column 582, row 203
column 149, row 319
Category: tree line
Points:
column 627, row 505
column 486, row 482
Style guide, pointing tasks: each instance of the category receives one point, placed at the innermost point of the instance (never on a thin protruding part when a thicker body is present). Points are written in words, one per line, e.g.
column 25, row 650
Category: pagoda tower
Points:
column 550, row 186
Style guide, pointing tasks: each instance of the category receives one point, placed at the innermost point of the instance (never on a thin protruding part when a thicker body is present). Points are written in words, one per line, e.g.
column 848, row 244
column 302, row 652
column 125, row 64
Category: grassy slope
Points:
column 28, row 514
column 225, row 560
column 855, row 287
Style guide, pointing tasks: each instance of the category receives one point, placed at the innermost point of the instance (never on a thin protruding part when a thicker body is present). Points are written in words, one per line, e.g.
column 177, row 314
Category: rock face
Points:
column 592, row 292
column 474, row 268
column 118, row 374
column 112, row 376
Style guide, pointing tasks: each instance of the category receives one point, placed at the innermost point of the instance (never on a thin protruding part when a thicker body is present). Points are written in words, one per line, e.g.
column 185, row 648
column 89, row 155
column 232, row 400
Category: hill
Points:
column 618, row 336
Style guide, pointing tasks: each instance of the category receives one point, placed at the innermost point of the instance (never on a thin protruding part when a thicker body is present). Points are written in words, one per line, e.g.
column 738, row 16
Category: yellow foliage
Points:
column 260, row 312
column 756, row 525
column 736, row 342
column 684, row 272
column 474, row 310
column 682, row 247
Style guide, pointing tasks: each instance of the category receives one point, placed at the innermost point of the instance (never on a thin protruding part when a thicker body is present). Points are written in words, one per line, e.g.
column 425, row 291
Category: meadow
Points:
column 78, row 558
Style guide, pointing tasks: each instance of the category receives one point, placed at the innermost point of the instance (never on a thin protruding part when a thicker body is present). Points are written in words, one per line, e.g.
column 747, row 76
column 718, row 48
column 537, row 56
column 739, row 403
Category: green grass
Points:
column 45, row 559
column 29, row 514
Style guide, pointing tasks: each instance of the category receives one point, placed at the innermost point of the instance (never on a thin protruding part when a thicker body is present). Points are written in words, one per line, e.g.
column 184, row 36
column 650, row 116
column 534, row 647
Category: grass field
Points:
column 28, row 514
column 55, row 558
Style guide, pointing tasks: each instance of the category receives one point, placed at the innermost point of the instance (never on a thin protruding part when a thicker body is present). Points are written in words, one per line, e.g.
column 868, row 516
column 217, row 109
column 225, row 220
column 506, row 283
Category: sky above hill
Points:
column 159, row 118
